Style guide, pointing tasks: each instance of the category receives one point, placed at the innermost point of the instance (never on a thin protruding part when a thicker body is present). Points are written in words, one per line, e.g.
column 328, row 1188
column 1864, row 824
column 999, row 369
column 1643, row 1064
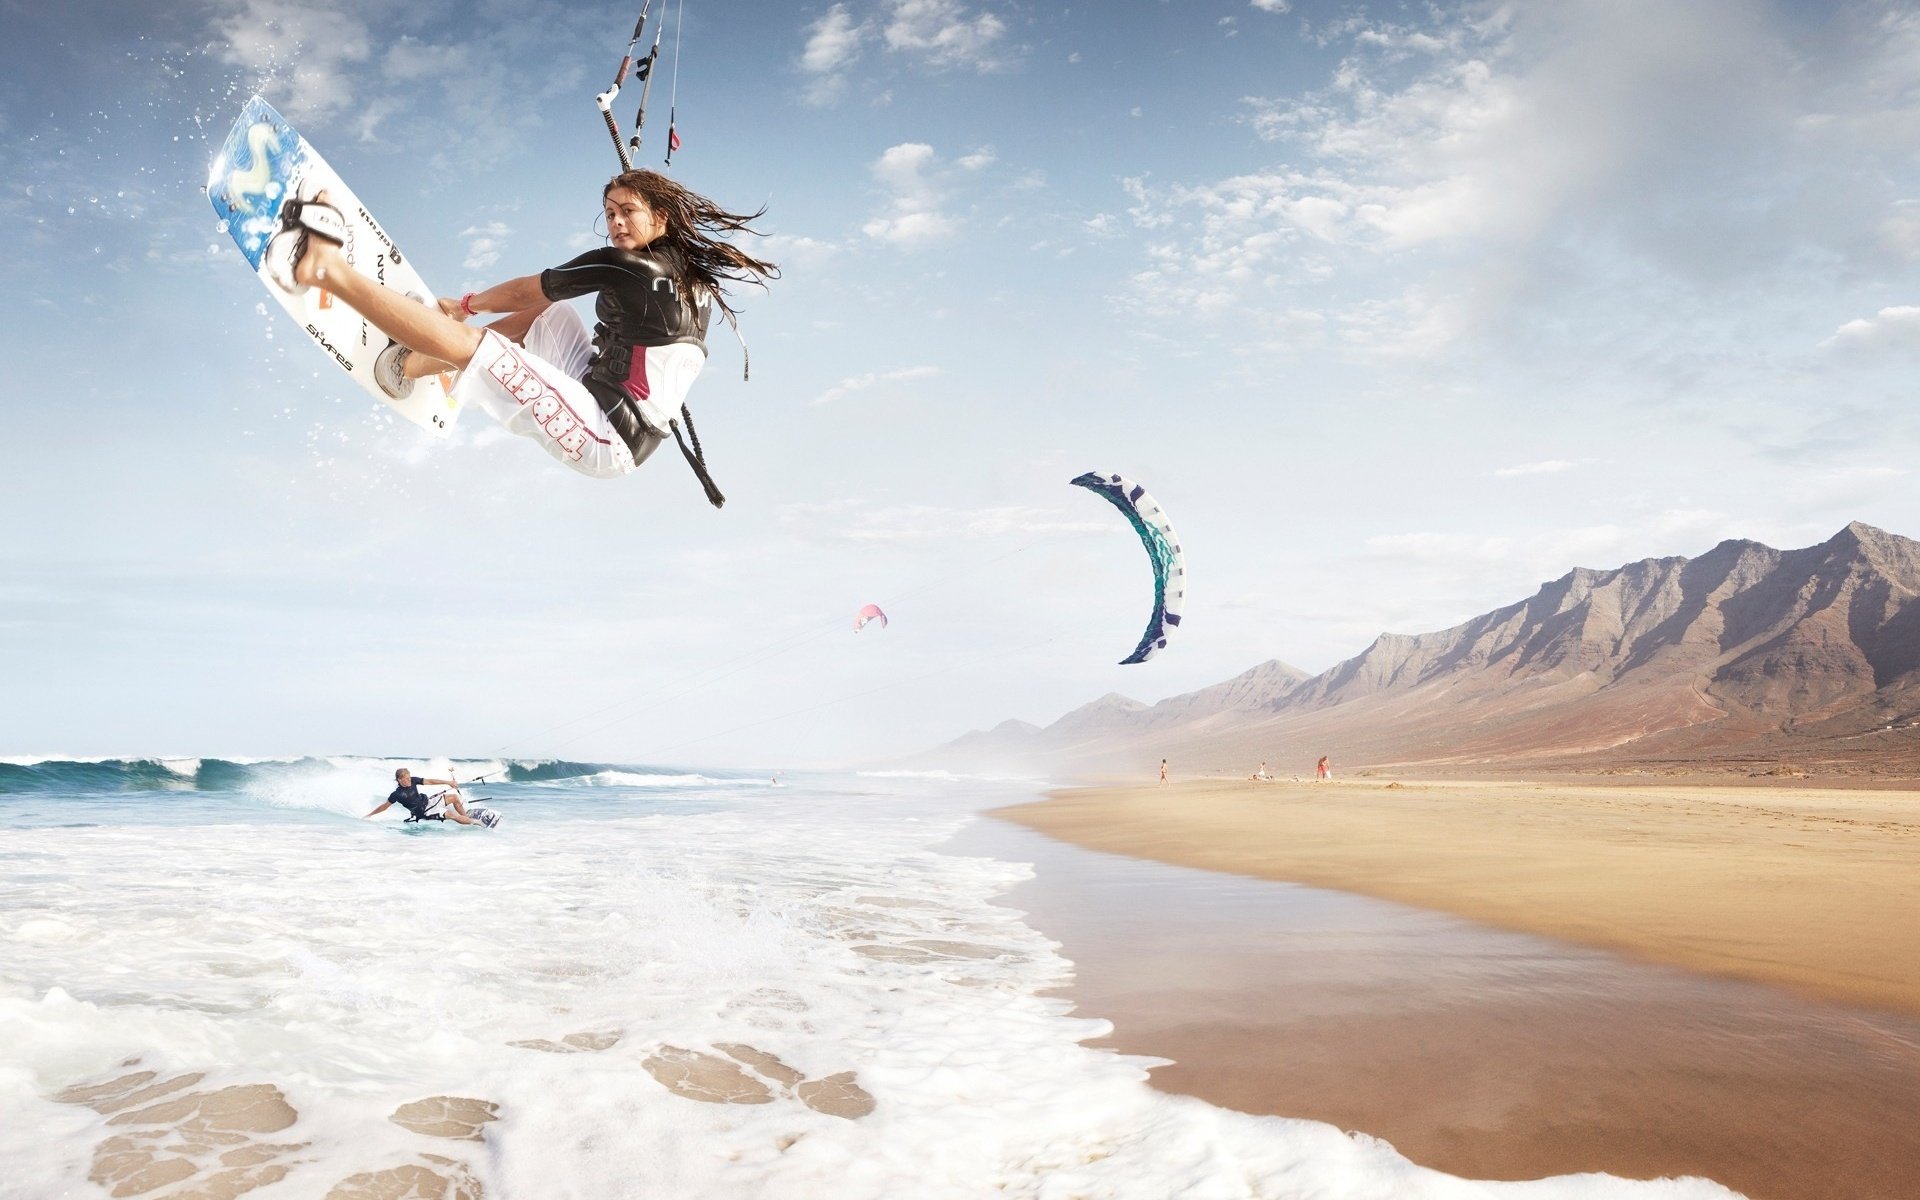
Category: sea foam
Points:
column 795, row 994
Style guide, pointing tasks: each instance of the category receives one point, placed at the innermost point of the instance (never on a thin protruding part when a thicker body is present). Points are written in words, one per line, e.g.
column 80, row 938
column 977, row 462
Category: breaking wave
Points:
column 183, row 774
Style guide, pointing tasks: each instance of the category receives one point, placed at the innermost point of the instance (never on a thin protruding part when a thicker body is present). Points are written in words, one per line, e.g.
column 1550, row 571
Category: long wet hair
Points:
column 694, row 228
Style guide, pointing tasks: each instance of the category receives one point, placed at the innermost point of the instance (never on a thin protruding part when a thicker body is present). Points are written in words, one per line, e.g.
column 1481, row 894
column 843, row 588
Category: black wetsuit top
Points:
column 638, row 305
column 409, row 798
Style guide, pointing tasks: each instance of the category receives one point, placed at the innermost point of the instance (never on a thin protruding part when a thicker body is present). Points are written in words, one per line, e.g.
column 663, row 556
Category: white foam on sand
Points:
column 360, row 970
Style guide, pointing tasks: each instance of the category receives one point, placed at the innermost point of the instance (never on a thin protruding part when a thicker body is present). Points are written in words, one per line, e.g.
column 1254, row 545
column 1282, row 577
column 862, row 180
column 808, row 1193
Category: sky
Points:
column 1400, row 310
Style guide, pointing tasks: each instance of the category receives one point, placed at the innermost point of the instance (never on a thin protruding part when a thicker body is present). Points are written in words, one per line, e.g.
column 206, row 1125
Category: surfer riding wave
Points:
column 601, row 405
column 438, row 807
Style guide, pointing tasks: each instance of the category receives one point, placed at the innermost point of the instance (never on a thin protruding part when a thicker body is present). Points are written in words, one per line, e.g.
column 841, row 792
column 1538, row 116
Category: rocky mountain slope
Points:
column 1746, row 658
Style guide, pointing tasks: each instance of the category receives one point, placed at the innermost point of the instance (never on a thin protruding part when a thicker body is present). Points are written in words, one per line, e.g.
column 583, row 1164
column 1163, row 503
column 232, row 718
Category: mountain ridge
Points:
column 1739, row 657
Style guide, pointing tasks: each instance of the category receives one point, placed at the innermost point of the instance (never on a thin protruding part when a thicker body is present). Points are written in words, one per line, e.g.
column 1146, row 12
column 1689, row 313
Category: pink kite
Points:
column 870, row 613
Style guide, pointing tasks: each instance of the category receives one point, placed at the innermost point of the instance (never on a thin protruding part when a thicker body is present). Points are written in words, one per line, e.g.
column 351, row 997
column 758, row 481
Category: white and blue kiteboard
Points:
column 265, row 161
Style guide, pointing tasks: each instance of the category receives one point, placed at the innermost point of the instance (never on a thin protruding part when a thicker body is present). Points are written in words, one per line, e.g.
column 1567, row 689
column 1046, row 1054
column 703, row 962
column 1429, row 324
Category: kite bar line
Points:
column 646, row 88
column 673, row 97
column 457, row 785
column 626, row 164
column 605, row 99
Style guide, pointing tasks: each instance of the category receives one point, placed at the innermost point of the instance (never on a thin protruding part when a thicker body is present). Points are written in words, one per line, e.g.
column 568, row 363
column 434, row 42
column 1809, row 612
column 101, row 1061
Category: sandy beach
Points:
column 1484, row 1052
column 1815, row 890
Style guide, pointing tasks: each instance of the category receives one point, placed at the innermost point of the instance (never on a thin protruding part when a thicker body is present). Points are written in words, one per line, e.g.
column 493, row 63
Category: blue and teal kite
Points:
column 1163, row 547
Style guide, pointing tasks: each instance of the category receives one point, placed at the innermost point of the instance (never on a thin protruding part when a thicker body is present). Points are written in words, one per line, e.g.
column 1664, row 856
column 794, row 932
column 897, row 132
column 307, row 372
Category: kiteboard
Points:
column 484, row 816
column 264, row 162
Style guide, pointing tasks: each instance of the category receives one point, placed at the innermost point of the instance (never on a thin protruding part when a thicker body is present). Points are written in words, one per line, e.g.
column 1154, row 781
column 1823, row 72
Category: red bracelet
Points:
column 466, row 304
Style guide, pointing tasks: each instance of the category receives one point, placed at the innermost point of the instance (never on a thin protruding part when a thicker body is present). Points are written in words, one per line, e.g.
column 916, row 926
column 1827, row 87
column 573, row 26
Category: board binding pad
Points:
column 264, row 162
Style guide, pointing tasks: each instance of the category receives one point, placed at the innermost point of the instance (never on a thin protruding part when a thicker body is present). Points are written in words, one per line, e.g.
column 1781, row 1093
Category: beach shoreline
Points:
column 1817, row 890
column 1485, row 1053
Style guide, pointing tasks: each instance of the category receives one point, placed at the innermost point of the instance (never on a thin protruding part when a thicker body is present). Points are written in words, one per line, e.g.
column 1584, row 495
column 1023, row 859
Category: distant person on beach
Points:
column 1163, row 770
column 1323, row 770
column 1261, row 774
column 407, row 795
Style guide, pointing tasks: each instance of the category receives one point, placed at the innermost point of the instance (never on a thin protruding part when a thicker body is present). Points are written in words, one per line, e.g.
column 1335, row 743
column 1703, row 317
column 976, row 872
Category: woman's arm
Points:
column 512, row 296
column 384, row 806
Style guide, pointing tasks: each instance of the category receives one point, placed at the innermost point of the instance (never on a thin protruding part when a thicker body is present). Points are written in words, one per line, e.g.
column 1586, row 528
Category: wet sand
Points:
column 1485, row 1053
column 1814, row 890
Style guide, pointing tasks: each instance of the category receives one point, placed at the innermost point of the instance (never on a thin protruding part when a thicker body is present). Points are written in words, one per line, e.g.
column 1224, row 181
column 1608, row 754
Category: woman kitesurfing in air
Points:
column 603, row 403
column 601, row 406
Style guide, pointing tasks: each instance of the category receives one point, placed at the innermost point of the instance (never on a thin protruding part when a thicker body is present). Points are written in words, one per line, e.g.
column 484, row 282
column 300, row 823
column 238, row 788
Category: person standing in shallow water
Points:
column 599, row 405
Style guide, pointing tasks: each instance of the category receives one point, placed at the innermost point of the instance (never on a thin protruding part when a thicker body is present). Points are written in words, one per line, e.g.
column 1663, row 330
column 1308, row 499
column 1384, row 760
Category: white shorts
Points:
column 535, row 391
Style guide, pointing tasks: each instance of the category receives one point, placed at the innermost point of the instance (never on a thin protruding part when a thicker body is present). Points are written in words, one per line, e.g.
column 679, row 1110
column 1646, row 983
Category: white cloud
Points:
column 1551, row 466
column 362, row 65
column 1900, row 231
column 485, row 244
column 308, row 49
column 942, row 33
column 1479, row 158
column 934, row 34
column 913, row 215
column 1246, row 245
column 410, row 58
column 833, row 45
column 911, row 229
column 1272, row 6
column 793, row 250
column 1891, row 330
column 860, row 383
column 902, row 167
column 833, row 42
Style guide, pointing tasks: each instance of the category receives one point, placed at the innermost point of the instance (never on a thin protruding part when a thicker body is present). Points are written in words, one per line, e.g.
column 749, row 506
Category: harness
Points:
column 426, row 812
column 612, row 362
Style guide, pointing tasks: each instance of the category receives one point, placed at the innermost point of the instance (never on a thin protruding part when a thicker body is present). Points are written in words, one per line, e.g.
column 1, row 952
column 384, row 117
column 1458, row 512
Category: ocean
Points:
column 217, row 980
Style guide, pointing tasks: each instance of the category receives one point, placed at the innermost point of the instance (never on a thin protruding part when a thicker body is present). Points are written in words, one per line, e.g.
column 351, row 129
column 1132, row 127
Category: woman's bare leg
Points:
column 419, row 366
column 513, row 327
column 423, row 330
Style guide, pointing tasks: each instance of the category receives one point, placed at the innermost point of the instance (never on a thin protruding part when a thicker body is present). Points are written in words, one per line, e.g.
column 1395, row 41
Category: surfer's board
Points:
column 486, row 817
column 264, row 162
